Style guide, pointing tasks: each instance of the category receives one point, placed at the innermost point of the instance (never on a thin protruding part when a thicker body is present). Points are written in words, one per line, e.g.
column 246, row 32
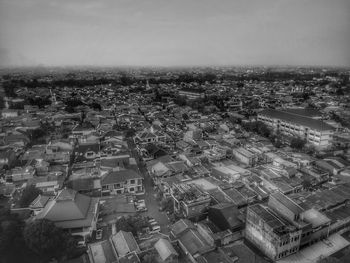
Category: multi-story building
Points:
column 191, row 94
column 314, row 131
column 283, row 227
column 123, row 181
column 190, row 200
column 275, row 237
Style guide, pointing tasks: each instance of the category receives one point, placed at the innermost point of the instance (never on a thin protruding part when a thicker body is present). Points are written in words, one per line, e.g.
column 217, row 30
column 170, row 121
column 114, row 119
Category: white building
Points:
column 314, row 131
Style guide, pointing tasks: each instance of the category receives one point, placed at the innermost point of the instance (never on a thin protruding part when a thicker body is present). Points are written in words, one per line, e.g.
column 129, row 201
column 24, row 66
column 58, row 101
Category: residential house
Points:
column 166, row 251
column 73, row 212
column 86, row 152
column 123, row 181
column 124, row 243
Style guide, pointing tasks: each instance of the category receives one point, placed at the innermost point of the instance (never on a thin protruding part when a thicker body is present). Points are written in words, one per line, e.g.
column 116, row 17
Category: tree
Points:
column 11, row 239
column 28, row 195
column 2, row 102
column 130, row 133
column 133, row 224
column 48, row 241
column 263, row 130
column 96, row 106
column 123, row 224
column 297, row 143
column 167, row 205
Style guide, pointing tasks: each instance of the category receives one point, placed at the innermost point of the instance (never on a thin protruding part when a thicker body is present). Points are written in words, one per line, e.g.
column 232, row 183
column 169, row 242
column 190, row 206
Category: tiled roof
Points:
column 120, row 176
column 70, row 209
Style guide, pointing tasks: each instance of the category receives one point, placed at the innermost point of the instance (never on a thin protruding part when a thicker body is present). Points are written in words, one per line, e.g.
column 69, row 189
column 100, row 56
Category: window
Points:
column 131, row 189
column 117, row 186
column 139, row 181
column 132, row 181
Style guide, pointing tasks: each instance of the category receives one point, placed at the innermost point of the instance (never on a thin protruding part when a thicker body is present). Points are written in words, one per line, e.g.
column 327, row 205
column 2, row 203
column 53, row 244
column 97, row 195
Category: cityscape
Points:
column 174, row 157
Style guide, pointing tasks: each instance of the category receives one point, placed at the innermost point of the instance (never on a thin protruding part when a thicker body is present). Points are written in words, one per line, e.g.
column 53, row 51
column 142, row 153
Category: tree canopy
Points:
column 297, row 143
column 47, row 240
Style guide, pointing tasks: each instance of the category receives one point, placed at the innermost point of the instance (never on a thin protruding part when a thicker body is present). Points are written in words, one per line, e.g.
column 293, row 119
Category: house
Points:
column 124, row 243
column 190, row 200
column 123, row 181
column 245, row 156
column 7, row 190
column 190, row 240
column 88, row 186
column 101, row 252
column 166, row 251
column 17, row 139
column 7, row 157
column 38, row 204
column 115, row 163
column 149, row 136
column 21, row 174
column 85, row 152
column 49, row 187
column 8, row 113
column 226, row 216
column 81, row 131
column 73, row 212
column 151, row 151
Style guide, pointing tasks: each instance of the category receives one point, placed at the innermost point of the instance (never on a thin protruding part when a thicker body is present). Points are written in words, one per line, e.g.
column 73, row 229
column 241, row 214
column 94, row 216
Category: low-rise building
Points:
column 73, row 212
column 123, row 181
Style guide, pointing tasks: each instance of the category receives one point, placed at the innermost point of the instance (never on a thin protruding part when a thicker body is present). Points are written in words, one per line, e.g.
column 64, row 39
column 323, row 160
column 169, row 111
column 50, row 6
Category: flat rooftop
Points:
column 313, row 253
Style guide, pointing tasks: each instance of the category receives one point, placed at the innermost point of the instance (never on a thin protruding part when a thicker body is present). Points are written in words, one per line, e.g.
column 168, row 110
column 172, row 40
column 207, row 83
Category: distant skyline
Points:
column 174, row 33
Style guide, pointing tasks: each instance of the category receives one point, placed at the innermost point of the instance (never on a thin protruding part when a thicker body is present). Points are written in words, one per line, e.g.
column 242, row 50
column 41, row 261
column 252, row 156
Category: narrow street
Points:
column 150, row 194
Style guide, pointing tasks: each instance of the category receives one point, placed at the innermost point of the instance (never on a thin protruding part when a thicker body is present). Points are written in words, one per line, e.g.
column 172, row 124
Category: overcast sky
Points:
column 175, row 32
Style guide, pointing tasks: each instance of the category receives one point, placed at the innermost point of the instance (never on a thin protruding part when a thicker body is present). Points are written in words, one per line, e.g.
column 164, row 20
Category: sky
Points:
column 174, row 32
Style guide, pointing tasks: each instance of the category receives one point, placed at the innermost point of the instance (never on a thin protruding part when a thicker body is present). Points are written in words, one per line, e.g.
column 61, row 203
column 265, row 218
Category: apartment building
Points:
column 314, row 131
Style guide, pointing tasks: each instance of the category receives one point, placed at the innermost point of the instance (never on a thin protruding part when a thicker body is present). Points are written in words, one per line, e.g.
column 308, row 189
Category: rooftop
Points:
column 298, row 119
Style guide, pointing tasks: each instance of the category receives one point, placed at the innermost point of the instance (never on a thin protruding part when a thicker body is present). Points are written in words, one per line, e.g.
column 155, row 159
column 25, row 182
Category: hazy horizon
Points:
column 182, row 33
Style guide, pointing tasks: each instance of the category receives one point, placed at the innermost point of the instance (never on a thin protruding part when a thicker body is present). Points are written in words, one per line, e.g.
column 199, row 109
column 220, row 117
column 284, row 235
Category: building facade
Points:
column 314, row 131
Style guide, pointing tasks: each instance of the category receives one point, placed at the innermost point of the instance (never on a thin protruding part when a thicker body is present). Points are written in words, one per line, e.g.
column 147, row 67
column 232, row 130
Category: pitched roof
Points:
column 69, row 209
column 40, row 201
column 120, row 176
column 229, row 212
column 181, row 226
column 124, row 243
column 165, row 249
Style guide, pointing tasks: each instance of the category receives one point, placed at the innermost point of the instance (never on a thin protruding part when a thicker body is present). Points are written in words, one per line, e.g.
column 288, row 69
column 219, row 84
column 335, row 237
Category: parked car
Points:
column 99, row 234
column 155, row 229
column 151, row 220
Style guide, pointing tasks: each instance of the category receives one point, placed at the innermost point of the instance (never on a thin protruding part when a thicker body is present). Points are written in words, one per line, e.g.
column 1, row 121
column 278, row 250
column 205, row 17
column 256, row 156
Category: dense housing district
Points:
column 231, row 165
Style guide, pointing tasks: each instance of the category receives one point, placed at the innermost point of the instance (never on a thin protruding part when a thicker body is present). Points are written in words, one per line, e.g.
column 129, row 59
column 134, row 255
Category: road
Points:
column 150, row 194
